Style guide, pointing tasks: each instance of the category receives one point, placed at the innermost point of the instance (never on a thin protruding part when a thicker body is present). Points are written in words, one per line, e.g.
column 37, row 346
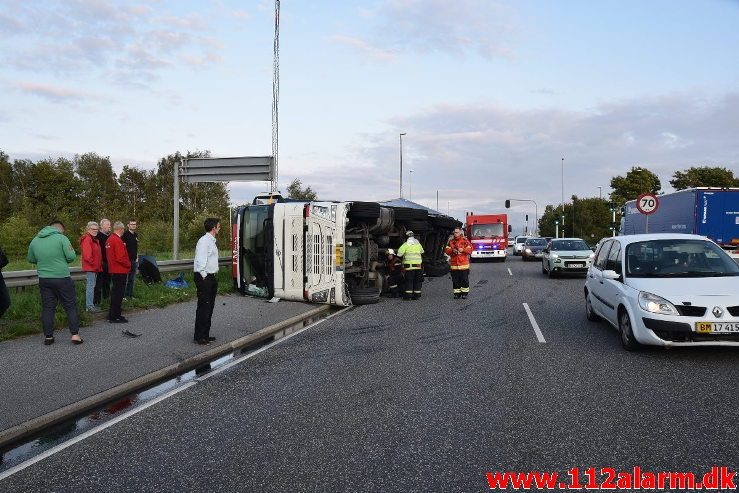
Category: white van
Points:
column 518, row 244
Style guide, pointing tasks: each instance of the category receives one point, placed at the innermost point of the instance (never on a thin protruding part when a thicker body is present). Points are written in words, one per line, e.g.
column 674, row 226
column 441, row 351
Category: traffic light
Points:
column 507, row 204
column 527, row 217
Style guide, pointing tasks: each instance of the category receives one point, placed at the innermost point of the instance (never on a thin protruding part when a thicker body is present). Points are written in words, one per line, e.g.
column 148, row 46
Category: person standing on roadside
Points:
column 206, row 268
column 4, row 295
column 52, row 253
column 131, row 240
column 92, row 263
column 119, row 266
column 412, row 253
column 459, row 250
column 102, row 283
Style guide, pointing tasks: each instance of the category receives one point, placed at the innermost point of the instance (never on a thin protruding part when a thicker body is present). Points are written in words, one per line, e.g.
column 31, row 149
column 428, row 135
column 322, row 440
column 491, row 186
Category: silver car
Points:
column 566, row 256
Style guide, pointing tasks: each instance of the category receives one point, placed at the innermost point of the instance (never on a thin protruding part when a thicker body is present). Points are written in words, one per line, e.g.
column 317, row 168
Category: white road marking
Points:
column 509, row 271
column 261, row 350
column 539, row 335
column 128, row 414
column 91, row 432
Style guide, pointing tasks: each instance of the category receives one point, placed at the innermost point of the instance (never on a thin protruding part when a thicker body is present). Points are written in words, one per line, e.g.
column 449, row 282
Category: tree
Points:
column 704, row 176
column 295, row 191
column 636, row 182
column 100, row 192
column 589, row 219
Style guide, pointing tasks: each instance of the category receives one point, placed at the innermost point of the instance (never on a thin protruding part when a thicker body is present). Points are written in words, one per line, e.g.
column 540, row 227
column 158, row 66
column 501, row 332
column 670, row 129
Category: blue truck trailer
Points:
column 711, row 212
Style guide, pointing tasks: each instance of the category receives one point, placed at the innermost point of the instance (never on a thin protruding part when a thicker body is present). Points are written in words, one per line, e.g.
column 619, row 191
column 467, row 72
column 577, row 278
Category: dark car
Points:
column 532, row 248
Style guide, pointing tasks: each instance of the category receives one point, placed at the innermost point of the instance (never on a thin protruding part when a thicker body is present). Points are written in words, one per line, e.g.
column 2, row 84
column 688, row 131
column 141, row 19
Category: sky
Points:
column 491, row 95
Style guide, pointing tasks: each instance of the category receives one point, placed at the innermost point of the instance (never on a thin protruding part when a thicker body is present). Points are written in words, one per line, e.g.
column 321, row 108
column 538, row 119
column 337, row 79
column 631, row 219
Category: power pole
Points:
column 276, row 94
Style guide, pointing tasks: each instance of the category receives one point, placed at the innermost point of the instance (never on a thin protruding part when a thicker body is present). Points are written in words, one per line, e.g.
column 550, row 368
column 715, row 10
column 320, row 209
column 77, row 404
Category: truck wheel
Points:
column 417, row 226
column 364, row 296
column 364, row 210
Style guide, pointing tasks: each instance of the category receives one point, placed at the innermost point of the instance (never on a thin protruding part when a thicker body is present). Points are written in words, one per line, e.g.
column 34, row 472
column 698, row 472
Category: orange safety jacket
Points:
column 459, row 261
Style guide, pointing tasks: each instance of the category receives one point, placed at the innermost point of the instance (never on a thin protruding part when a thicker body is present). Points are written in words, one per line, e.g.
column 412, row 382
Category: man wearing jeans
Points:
column 92, row 263
column 52, row 253
column 131, row 240
column 206, row 268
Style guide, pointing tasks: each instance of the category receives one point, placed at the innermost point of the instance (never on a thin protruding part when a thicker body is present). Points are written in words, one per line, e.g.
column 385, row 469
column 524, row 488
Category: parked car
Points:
column 518, row 244
column 533, row 248
column 566, row 256
column 665, row 289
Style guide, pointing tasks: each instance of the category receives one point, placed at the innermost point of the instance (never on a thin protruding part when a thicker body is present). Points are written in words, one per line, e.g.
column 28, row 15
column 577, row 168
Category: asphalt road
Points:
column 424, row 395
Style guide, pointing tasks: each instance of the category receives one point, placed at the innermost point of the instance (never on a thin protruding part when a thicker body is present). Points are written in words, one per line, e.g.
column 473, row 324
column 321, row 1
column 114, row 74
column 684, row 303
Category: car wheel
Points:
column 589, row 313
column 551, row 272
column 628, row 341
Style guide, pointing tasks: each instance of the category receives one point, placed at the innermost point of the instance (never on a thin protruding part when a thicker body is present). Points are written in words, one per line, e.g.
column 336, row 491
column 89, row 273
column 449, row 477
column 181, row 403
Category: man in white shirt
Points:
column 206, row 268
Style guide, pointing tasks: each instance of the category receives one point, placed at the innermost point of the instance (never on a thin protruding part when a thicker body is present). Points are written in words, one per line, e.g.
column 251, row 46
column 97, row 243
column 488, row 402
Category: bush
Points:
column 15, row 235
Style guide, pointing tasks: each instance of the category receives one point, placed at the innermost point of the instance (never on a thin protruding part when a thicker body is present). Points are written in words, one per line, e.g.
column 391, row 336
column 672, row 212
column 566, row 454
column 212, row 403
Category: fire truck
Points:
column 329, row 252
column 488, row 234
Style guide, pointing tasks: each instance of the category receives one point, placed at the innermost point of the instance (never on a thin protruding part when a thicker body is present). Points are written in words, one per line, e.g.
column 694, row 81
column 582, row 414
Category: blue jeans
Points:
column 90, row 289
column 130, row 278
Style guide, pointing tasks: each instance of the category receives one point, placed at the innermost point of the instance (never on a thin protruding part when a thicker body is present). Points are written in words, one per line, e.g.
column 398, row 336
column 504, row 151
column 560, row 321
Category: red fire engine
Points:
column 488, row 234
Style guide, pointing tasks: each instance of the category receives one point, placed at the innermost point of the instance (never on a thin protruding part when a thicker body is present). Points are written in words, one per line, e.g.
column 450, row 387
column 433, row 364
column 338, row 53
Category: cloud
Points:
column 425, row 26
column 365, row 48
column 477, row 156
column 54, row 94
column 105, row 38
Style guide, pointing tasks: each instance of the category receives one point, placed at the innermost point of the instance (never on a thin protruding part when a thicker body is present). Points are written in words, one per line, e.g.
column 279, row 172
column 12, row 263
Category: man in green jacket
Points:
column 412, row 253
column 52, row 253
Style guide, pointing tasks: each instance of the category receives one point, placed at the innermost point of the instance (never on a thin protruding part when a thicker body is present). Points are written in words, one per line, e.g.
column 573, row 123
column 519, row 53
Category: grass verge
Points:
column 24, row 315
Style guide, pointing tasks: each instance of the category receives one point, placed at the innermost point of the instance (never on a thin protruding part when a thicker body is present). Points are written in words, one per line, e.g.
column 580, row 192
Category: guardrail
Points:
column 20, row 278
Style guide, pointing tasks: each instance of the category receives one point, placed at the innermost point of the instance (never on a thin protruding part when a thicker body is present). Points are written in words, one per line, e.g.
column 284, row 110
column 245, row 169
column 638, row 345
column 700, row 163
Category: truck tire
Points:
column 436, row 270
column 403, row 214
column 417, row 226
column 364, row 296
column 364, row 210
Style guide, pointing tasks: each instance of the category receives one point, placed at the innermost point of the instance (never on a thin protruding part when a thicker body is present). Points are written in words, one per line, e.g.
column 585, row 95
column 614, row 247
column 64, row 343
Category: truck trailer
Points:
column 710, row 212
column 329, row 252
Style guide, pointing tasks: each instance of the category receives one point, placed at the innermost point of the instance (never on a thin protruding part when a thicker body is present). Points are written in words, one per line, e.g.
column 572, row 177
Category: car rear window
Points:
column 569, row 245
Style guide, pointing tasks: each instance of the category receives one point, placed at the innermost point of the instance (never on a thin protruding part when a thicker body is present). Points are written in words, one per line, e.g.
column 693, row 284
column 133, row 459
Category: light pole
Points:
column 410, row 185
column 536, row 209
column 401, row 165
column 600, row 192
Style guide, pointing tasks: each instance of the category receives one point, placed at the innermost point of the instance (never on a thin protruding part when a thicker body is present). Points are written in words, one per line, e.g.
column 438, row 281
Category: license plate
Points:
column 717, row 327
column 573, row 264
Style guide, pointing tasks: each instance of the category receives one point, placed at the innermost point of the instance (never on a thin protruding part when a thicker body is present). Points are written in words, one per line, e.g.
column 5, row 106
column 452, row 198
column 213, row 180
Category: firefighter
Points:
column 411, row 251
column 395, row 273
column 459, row 249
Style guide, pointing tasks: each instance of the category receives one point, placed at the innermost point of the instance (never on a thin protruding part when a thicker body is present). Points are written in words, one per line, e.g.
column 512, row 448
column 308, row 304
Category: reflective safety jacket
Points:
column 411, row 251
column 461, row 260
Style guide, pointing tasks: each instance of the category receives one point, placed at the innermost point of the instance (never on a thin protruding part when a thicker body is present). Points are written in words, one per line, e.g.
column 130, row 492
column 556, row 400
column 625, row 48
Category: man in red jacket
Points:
column 119, row 265
column 92, row 263
column 459, row 250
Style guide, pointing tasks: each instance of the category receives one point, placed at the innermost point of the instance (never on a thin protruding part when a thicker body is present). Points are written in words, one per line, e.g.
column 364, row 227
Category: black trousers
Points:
column 102, row 286
column 461, row 281
column 116, row 295
column 413, row 283
column 207, row 290
column 54, row 291
column 4, row 297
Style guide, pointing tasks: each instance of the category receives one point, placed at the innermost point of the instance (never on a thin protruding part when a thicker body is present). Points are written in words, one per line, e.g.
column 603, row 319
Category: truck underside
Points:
column 337, row 257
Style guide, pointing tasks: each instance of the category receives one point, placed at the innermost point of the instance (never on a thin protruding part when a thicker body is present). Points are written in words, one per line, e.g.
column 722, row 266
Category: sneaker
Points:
column 203, row 342
column 119, row 320
column 125, row 299
column 94, row 309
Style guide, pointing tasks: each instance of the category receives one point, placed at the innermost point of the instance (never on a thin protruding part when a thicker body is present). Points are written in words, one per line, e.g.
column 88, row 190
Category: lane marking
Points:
column 91, row 432
column 509, row 271
column 128, row 414
column 539, row 335
column 262, row 349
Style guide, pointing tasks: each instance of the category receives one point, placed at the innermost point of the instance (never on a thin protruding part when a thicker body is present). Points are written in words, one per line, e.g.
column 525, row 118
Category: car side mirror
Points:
column 612, row 275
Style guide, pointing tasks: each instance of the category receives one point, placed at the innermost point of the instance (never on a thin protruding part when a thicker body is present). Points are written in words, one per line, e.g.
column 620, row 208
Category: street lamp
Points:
column 563, row 191
column 536, row 209
column 600, row 192
column 410, row 183
column 401, row 165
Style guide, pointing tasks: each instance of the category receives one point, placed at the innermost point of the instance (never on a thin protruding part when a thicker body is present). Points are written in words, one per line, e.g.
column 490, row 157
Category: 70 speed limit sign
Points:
column 647, row 203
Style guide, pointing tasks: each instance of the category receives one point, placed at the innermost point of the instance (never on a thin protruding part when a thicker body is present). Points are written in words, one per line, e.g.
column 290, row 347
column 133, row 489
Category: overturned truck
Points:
column 329, row 252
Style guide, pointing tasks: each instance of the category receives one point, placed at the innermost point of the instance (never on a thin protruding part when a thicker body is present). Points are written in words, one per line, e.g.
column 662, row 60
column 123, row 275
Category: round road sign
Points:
column 647, row 203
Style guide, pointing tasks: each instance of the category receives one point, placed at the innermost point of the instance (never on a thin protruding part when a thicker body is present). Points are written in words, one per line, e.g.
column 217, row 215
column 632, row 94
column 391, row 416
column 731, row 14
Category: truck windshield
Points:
column 256, row 240
column 487, row 230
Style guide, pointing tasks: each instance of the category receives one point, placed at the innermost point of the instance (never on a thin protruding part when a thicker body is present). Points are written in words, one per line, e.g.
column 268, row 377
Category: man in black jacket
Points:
column 102, row 283
column 4, row 295
column 131, row 240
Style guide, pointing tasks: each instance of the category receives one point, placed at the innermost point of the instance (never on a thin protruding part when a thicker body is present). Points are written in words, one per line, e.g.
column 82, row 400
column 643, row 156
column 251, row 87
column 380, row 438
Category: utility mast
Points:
column 276, row 94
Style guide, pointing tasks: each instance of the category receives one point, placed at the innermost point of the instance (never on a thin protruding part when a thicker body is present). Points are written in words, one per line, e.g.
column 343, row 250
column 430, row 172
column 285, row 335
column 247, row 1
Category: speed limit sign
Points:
column 647, row 203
